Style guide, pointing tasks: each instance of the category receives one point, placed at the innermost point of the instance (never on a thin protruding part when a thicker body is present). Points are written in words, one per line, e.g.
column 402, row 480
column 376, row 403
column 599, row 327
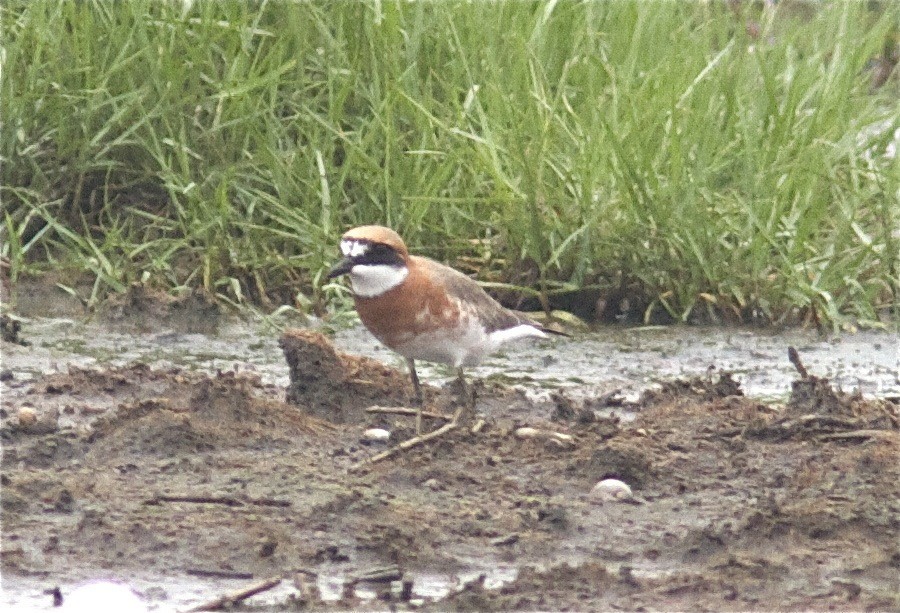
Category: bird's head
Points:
column 374, row 257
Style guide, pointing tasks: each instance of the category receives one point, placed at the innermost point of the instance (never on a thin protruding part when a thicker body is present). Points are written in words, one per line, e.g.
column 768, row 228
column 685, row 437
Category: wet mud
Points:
column 164, row 476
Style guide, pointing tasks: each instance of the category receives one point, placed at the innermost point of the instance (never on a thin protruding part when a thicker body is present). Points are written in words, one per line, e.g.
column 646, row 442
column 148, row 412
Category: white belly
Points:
column 460, row 346
column 465, row 345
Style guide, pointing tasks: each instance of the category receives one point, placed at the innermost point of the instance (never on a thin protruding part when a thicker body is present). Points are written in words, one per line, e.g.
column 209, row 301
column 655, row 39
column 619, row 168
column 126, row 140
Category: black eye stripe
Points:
column 379, row 253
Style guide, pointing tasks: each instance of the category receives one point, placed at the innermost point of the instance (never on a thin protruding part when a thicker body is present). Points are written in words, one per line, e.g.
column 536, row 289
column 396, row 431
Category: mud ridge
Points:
column 170, row 473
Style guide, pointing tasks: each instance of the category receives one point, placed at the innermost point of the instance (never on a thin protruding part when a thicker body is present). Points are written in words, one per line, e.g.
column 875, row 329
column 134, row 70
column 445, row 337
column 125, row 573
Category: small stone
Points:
column 432, row 484
column 31, row 422
column 375, row 435
column 527, row 432
column 568, row 439
column 102, row 595
column 558, row 439
column 267, row 546
column 27, row 417
column 612, row 490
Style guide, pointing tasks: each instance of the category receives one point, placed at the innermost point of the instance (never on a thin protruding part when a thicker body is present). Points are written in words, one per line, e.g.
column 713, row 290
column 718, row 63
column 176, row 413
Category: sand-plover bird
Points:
column 422, row 309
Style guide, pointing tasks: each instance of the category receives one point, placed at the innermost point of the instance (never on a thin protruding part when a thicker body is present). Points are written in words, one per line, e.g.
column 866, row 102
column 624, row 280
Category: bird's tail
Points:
column 552, row 331
column 526, row 319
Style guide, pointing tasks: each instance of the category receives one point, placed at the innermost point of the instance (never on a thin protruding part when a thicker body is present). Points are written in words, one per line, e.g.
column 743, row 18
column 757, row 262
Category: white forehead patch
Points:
column 353, row 249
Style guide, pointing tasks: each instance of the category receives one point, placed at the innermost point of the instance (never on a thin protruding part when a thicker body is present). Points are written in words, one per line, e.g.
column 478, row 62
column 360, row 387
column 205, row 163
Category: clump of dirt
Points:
column 705, row 389
column 183, row 474
column 338, row 387
column 817, row 410
column 9, row 330
column 553, row 589
column 811, row 394
column 136, row 410
column 622, row 460
column 142, row 307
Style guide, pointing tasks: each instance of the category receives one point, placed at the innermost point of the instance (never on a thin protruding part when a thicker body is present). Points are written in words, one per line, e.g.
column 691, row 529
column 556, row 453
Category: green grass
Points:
column 654, row 146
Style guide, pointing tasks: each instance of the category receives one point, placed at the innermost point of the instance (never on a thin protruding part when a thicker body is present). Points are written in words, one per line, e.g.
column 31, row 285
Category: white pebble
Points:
column 527, row 432
column 103, row 597
column 376, row 435
column 612, row 490
column 27, row 417
column 562, row 440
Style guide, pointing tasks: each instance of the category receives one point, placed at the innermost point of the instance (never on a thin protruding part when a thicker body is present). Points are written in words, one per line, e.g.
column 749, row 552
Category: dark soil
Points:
column 9, row 330
column 739, row 505
column 142, row 307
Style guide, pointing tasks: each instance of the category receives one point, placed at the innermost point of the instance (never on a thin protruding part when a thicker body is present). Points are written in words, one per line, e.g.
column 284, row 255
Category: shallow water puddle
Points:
column 178, row 593
column 629, row 359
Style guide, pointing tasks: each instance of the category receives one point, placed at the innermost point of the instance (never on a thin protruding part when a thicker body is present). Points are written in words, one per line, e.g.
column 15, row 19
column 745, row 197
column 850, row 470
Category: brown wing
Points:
column 468, row 292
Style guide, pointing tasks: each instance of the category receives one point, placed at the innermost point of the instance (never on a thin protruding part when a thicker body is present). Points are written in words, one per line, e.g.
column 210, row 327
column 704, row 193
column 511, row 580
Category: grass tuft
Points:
column 715, row 161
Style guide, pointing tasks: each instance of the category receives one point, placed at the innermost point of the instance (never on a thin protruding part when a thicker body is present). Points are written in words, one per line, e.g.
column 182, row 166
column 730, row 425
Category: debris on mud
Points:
column 230, row 600
column 704, row 389
column 816, row 409
column 141, row 306
column 172, row 475
column 10, row 327
column 620, row 460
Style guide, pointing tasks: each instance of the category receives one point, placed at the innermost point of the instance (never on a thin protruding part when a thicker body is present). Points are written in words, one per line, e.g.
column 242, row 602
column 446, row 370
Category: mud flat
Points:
column 188, row 485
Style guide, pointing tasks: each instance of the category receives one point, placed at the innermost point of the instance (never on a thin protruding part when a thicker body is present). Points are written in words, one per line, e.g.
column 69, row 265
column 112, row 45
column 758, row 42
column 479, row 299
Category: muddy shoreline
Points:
column 188, row 483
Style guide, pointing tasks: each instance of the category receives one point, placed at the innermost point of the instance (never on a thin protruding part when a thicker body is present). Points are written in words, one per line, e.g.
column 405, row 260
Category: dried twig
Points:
column 408, row 444
column 794, row 357
column 225, row 500
column 379, row 575
column 268, row 502
column 788, row 426
column 219, row 574
column 509, row 539
column 228, row 600
column 862, row 435
column 408, row 411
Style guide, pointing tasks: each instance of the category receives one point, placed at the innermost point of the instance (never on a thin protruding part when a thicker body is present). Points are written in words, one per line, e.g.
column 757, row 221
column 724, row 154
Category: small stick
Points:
column 220, row 574
column 408, row 411
column 509, row 539
column 794, row 357
column 856, row 434
column 228, row 600
column 379, row 575
column 823, row 421
column 407, row 444
column 226, row 500
column 269, row 502
column 305, row 583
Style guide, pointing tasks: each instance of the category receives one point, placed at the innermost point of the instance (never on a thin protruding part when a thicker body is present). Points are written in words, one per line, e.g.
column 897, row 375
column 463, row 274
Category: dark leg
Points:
column 467, row 396
column 467, row 403
column 463, row 388
column 414, row 377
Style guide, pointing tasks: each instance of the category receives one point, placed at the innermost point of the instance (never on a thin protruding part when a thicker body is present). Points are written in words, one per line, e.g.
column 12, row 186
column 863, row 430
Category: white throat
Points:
column 370, row 280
